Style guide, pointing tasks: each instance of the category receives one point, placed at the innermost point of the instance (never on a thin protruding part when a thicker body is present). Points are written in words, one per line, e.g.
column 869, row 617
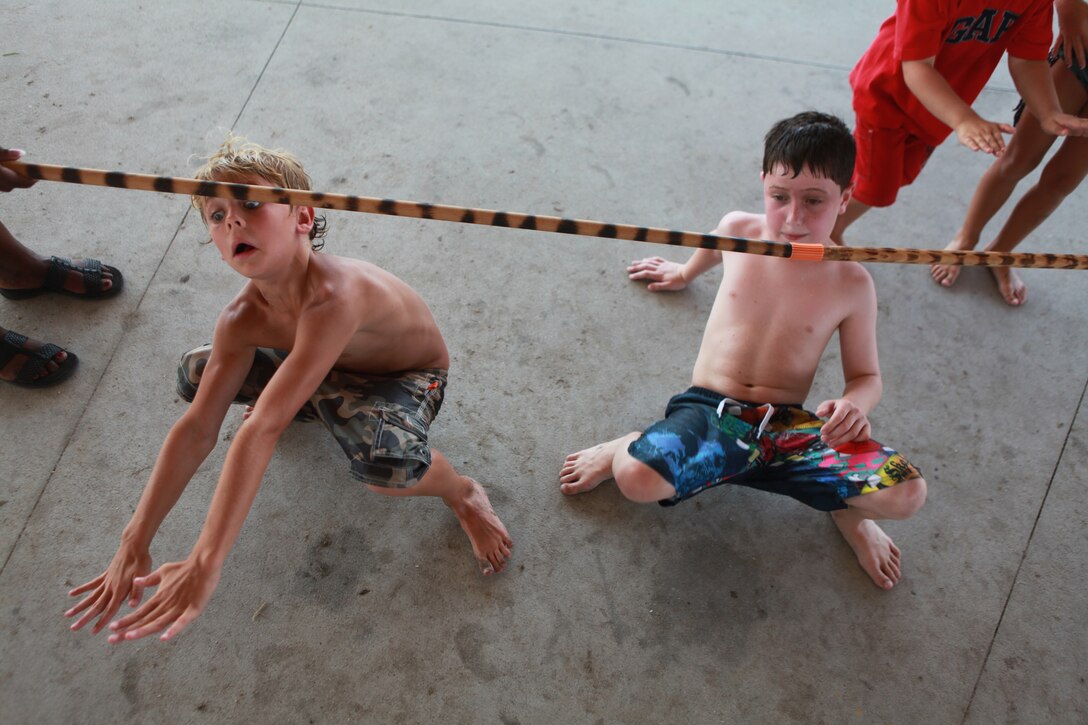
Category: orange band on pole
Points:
column 807, row 252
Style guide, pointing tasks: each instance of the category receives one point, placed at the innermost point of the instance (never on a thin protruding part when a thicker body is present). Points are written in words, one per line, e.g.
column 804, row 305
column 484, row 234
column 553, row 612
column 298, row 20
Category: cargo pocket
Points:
column 400, row 437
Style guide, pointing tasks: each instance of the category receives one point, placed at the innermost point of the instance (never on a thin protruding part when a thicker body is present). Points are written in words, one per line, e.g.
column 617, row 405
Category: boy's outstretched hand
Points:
column 845, row 422
column 662, row 274
column 978, row 134
column 109, row 590
column 184, row 589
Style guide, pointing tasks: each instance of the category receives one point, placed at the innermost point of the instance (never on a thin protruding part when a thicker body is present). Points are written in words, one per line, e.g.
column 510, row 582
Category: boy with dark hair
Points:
column 309, row 336
column 742, row 421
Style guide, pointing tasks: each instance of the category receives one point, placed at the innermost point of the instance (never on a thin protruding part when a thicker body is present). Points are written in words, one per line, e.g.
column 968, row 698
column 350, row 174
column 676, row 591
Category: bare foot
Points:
column 585, row 470
column 1009, row 284
column 876, row 552
column 946, row 274
column 490, row 542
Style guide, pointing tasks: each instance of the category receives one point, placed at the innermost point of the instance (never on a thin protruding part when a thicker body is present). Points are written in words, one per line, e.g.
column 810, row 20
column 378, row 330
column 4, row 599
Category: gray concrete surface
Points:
column 737, row 607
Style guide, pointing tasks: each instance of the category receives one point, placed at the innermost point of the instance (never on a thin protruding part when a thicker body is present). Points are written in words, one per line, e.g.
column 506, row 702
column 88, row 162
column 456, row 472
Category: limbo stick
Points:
column 516, row 220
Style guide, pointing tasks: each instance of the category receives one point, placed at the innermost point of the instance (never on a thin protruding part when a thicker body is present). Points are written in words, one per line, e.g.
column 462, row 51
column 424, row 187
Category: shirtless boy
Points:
column 742, row 422
column 309, row 336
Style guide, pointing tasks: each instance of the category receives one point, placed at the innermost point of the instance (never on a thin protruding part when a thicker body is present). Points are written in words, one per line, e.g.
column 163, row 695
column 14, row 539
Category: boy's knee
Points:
column 905, row 499
column 640, row 483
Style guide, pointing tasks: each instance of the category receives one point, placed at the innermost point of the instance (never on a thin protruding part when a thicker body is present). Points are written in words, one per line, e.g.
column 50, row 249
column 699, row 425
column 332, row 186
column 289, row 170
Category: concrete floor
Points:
column 338, row 605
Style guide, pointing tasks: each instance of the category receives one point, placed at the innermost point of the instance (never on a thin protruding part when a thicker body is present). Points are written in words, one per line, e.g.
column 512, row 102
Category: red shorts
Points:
column 887, row 159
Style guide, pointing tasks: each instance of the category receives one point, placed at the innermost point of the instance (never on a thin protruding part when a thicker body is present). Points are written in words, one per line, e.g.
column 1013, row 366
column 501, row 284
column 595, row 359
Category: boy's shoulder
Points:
column 742, row 224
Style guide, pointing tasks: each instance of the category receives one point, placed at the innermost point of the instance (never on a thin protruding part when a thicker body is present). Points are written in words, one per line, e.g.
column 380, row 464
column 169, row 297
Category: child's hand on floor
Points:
column 662, row 274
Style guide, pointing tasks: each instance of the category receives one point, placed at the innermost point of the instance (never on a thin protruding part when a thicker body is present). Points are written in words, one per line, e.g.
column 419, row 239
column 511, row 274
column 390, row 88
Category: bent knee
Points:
column 640, row 483
column 904, row 499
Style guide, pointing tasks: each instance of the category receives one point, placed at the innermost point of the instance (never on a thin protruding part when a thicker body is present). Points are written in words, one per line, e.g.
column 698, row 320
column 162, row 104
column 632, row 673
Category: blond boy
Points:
column 741, row 421
column 310, row 335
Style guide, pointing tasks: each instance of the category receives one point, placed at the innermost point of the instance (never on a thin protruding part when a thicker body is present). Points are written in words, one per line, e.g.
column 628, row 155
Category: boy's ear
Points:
column 846, row 194
column 305, row 218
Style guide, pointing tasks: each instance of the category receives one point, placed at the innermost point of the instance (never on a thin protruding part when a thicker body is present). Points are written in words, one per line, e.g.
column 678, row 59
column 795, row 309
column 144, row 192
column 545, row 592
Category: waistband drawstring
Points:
column 766, row 416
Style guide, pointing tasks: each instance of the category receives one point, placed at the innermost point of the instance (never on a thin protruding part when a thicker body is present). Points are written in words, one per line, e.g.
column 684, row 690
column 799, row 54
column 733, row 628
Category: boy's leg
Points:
column 876, row 552
column 586, row 469
column 469, row 502
column 887, row 160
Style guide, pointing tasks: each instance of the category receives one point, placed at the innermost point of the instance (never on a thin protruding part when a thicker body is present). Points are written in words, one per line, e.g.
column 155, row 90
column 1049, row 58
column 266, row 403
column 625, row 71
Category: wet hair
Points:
column 238, row 158
column 819, row 141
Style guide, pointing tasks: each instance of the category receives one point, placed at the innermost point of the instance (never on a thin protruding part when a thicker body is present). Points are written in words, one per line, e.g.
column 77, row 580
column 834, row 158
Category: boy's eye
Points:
column 216, row 216
column 252, row 204
column 813, row 202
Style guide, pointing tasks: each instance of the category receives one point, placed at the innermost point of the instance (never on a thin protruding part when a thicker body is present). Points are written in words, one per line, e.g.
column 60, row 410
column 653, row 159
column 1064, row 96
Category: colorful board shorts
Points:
column 887, row 160
column 380, row 422
column 708, row 439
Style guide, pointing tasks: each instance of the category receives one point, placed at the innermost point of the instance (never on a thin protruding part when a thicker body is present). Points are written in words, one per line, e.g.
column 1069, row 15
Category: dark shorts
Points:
column 380, row 422
column 887, row 160
column 708, row 439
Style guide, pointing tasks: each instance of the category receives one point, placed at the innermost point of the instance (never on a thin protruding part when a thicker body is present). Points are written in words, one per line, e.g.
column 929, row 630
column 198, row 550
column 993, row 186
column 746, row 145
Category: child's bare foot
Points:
column 1009, row 284
column 585, row 470
column 490, row 542
column 946, row 274
column 876, row 552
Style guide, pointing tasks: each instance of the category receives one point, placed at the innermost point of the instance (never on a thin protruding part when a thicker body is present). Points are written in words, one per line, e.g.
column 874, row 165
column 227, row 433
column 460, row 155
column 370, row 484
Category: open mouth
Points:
column 242, row 248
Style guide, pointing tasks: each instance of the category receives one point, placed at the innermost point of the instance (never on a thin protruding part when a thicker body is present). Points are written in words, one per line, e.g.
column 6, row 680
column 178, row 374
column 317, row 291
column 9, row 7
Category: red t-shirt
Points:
column 967, row 39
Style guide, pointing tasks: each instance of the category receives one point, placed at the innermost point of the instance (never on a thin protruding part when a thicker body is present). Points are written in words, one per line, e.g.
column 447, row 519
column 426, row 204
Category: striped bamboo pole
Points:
column 537, row 222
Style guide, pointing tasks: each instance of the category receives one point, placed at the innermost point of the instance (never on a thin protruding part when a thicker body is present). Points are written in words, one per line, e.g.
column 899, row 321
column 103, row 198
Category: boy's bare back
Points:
column 772, row 320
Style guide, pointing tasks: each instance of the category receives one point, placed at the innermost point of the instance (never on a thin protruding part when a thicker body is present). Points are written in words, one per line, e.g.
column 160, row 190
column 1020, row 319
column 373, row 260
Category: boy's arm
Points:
column 185, row 587
column 188, row 443
column 848, row 416
column 973, row 131
column 664, row 275
column 1036, row 87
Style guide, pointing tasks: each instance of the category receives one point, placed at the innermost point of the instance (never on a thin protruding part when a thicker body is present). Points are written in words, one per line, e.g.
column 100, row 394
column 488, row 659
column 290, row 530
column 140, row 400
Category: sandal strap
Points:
column 12, row 346
column 36, row 360
column 59, row 267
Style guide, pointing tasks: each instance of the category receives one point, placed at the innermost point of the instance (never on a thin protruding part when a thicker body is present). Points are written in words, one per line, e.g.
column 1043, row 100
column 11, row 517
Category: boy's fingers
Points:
column 94, row 602
column 88, row 586
column 157, row 624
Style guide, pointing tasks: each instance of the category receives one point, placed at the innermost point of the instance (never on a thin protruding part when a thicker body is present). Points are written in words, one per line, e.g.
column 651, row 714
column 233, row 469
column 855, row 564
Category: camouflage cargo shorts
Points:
column 380, row 422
